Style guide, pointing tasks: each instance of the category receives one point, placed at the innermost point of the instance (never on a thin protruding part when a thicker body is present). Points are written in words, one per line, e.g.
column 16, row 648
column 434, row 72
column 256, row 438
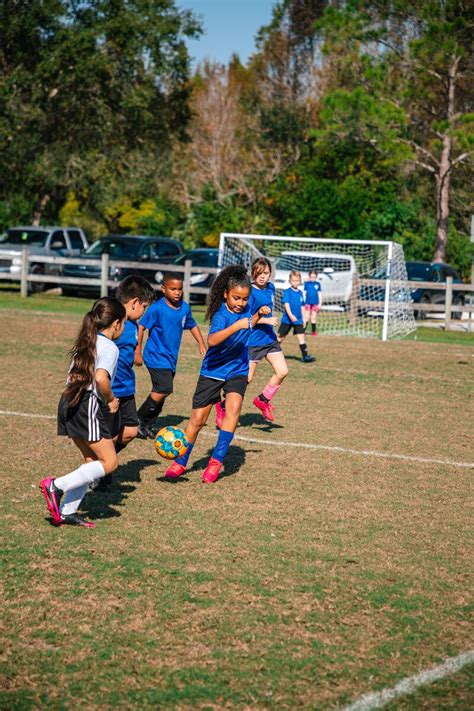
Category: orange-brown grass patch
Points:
column 302, row 578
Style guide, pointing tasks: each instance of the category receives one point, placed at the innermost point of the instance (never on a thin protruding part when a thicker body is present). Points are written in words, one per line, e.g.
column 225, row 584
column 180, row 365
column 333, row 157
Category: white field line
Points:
column 377, row 699
column 299, row 445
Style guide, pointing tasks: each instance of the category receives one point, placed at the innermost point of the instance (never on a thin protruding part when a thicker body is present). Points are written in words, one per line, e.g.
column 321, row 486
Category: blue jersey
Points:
column 295, row 300
column 312, row 289
column 231, row 357
column 165, row 326
column 123, row 383
column 263, row 333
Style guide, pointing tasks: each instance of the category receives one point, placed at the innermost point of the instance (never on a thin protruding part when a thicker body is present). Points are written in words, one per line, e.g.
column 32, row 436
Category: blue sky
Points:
column 229, row 26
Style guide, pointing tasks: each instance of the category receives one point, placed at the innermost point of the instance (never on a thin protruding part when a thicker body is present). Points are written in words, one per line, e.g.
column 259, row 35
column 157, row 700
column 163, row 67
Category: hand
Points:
column 273, row 321
column 264, row 310
column 138, row 359
column 293, row 318
column 114, row 405
column 202, row 350
column 242, row 323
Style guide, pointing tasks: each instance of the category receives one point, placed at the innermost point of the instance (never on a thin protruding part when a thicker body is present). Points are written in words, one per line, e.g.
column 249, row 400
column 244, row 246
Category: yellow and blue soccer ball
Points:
column 171, row 442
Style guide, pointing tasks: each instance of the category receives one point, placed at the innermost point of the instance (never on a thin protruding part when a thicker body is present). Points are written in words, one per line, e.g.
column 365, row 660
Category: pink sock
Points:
column 270, row 391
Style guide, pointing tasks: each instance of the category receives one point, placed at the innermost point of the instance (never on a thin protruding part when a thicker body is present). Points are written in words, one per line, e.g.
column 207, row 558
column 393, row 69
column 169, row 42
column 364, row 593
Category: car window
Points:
column 439, row 274
column 116, row 249
column 76, row 239
column 58, row 240
column 418, row 272
column 32, row 237
column 163, row 249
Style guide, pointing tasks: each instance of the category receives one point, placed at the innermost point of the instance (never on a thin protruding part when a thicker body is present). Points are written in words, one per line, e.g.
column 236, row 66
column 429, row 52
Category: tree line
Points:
column 353, row 119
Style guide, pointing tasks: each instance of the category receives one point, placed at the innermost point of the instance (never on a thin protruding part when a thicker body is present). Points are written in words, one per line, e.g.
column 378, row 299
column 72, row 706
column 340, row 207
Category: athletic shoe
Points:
column 265, row 407
column 314, row 333
column 220, row 414
column 308, row 358
column 212, row 471
column 53, row 497
column 76, row 520
column 175, row 470
column 144, row 431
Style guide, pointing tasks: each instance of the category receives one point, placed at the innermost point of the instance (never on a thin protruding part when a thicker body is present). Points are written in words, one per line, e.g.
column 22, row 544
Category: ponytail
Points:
column 82, row 371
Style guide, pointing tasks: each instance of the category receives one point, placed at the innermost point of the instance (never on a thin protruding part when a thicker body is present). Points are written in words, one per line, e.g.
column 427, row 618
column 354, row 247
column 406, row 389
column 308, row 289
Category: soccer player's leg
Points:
column 234, row 390
column 280, row 370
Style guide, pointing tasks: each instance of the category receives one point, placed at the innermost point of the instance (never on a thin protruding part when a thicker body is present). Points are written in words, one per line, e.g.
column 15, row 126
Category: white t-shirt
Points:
column 107, row 355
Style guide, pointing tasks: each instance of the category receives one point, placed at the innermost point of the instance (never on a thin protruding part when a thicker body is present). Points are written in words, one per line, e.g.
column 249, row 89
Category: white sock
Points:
column 72, row 499
column 85, row 474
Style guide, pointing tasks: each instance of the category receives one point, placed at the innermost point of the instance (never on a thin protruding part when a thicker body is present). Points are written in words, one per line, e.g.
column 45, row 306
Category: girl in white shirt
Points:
column 85, row 410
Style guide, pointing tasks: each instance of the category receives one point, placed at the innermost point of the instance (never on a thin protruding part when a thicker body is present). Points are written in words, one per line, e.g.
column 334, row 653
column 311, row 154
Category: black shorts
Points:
column 128, row 411
column 285, row 328
column 161, row 380
column 257, row 353
column 208, row 390
column 89, row 420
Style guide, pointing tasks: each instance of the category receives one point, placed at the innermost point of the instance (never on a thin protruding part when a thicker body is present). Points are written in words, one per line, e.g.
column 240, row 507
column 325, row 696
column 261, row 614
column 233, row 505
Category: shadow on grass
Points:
column 234, row 461
column 254, row 419
column 101, row 504
column 169, row 421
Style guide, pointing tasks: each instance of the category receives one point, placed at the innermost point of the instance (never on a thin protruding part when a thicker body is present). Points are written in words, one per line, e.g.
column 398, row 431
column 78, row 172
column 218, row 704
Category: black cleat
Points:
column 76, row 520
column 308, row 359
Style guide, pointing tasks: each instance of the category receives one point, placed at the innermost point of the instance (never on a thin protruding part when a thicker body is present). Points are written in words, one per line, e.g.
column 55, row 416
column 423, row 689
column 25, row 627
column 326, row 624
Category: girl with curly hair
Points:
column 225, row 366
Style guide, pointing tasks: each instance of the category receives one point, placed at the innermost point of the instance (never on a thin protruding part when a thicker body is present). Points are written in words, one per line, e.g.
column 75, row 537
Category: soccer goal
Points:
column 362, row 281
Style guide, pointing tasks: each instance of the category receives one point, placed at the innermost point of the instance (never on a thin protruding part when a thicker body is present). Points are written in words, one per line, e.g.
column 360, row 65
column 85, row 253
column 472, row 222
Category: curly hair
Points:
column 81, row 373
column 228, row 278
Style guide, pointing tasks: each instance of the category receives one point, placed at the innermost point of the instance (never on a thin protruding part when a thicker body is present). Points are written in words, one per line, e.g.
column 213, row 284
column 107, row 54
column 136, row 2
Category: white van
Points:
column 335, row 272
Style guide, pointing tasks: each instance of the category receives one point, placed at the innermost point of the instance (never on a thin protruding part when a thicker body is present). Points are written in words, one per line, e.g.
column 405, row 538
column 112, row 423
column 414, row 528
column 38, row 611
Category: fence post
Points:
column 449, row 302
column 24, row 272
column 187, row 279
column 104, row 274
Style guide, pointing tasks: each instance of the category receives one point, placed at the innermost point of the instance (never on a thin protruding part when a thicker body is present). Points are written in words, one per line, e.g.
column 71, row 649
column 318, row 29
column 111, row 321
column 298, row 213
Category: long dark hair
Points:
column 228, row 278
column 81, row 374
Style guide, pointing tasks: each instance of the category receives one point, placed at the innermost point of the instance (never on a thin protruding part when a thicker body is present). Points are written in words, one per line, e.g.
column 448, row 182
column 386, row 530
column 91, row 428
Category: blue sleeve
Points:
column 190, row 322
column 149, row 317
column 319, row 285
column 286, row 297
column 218, row 322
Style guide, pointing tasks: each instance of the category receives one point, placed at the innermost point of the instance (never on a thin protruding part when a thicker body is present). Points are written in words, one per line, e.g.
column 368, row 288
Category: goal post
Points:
column 362, row 281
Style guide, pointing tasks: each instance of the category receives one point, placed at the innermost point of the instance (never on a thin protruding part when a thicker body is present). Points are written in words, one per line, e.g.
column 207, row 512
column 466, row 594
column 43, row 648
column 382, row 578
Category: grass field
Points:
column 305, row 577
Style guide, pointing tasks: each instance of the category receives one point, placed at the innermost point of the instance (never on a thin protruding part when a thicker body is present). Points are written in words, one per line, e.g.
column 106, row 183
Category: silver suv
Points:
column 41, row 241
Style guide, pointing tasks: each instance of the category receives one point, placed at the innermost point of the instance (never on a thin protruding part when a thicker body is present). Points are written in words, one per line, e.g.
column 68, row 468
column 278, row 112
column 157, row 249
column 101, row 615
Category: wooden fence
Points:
column 447, row 305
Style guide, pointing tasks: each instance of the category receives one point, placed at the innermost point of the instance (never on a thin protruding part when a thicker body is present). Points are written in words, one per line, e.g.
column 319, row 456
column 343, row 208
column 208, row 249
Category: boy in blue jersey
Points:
column 312, row 301
column 225, row 367
column 135, row 293
column 293, row 301
column 165, row 322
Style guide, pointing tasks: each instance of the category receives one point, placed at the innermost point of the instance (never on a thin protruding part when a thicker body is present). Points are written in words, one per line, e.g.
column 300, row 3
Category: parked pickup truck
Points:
column 41, row 241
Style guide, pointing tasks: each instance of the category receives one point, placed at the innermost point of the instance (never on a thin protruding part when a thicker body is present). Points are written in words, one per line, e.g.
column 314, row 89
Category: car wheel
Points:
column 35, row 287
column 460, row 301
column 68, row 292
column 421, row 315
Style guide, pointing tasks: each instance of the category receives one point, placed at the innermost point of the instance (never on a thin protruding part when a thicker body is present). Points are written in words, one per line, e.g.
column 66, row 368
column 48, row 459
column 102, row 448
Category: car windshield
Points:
column 199, row 259
column 33, row 237
column 305, row 263
column 417, row 271
column 119, row 249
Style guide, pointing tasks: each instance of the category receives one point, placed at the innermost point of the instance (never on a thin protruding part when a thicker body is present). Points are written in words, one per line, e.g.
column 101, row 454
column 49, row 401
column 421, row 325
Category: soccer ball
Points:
column 171, row 442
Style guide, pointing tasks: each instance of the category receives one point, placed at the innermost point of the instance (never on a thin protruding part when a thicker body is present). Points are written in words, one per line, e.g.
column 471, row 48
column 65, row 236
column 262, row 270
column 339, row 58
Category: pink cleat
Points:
column 53, row 496
column 220, row 414
column 314, row 333
column 212, row 471
column 175, row 470
column 265, row 407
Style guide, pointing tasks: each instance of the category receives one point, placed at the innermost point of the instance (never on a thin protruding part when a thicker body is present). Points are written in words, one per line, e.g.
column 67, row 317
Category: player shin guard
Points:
column 183, row 460
column 269, row 392
column 85, row 474
column 223, row 444
column 150, row 409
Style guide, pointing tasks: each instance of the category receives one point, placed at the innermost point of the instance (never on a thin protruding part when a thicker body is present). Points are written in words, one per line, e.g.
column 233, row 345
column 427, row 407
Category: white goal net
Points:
column 362, row 281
